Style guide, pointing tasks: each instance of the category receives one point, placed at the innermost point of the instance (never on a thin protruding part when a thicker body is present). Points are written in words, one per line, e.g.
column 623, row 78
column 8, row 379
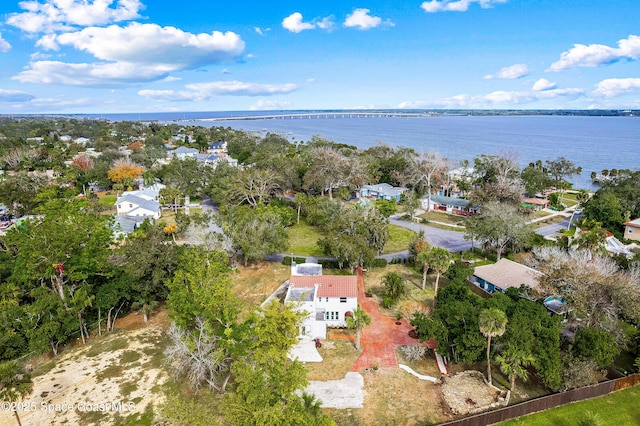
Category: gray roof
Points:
column 308, row 269
column 127, row 224
column 185, row 150
column 441, row 199
column 506, row 274
column 385, row 189
column 300, row 294
column 150, row 205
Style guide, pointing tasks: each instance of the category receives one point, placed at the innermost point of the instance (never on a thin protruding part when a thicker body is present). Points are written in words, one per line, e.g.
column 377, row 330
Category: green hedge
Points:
column 287, row 260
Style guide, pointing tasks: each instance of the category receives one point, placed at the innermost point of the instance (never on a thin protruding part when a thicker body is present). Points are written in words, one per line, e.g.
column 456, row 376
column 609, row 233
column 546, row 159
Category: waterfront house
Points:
column 503, row 275
column 459, row 206
column 381, row 191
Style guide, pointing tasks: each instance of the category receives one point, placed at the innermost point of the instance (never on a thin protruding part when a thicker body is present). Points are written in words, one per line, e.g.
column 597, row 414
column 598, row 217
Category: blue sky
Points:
column 101, row 56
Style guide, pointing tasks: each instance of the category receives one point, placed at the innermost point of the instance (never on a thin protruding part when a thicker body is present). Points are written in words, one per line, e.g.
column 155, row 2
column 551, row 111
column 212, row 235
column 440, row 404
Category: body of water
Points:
column 593, row 143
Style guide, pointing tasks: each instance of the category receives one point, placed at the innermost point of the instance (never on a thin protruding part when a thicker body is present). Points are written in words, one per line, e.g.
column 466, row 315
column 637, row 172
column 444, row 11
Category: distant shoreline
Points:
column 249, row 115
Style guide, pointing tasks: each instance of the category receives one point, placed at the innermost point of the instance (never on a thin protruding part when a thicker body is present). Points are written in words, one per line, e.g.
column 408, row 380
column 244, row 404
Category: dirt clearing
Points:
column 114, row 379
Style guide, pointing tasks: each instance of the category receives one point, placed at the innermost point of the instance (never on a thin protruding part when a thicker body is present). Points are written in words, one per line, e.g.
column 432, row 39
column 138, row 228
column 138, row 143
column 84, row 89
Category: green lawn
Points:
column 399, row 239
column 619, row 408
column 108, row 200
column 303, row 239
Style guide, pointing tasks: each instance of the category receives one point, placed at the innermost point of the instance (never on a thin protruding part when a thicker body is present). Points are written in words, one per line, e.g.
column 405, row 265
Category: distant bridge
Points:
column 316, row 115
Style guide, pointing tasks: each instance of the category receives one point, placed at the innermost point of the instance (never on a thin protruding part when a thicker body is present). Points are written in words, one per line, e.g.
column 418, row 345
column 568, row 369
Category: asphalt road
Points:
column 451, row 240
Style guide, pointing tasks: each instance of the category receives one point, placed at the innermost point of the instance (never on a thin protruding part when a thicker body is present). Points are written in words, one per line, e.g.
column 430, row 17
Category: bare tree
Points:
column 329, row 169
column 425, row 170
column 253, row 186
column 197, row 356
column 592, row 285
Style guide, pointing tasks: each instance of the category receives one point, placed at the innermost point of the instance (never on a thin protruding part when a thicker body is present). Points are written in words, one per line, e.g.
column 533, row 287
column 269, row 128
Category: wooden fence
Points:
column 547, row 402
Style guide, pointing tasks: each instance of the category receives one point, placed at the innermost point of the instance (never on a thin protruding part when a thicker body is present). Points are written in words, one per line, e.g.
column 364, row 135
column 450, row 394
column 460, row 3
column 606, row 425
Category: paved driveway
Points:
column 381, row 338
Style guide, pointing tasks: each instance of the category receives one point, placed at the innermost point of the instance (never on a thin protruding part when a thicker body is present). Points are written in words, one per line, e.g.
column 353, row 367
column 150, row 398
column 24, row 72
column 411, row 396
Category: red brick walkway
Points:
column 381, row 338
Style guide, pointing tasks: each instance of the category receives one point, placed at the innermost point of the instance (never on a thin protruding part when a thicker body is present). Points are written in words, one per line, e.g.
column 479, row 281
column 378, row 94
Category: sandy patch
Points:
column 467, row 392
column 345, row 393
column 95, row 384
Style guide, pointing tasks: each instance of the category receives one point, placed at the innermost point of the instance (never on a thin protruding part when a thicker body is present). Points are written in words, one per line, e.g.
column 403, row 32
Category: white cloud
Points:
column 326, row 23
column 413, row 104
column 262, row 105
column 261, row 31
column 135, row 53
column 4, row 45
column 205, row 91
column 510, row 73
column 498, row 98
column 361, row 19
column 598, row 54
column 151, row 44
column 96, row 74
column 239, row 88
column 61, row 15
column 616, row 86
column 294, row 23
column 434, row 6
column 543, row 84
column 15, row 96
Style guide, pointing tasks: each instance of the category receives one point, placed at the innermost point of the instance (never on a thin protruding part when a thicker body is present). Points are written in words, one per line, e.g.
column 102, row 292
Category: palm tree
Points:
column 493, row 322
column 422, row 258
column 513, row 363
column 357, row 322
column 439, row 261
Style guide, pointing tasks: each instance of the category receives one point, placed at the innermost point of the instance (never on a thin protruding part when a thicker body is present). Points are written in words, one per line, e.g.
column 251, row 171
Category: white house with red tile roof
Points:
column 327, row 299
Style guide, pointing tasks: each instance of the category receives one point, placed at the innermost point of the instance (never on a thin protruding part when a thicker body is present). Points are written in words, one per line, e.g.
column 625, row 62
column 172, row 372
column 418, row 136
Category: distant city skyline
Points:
column 108, row 56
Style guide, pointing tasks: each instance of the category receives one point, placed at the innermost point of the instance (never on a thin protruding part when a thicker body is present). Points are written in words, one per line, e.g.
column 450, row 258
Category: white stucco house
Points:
column 327, row 299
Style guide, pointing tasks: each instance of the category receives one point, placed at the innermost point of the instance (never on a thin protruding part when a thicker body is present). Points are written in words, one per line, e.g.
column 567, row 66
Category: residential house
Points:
column 124, row 225
column 503, row 275
column 632, row 230
column 381, row 191
column 183, row 152
column 453, row 205
column 132, row 204
column 217, row 148
column 328, row 301
column 213, row 160
column 536, row 204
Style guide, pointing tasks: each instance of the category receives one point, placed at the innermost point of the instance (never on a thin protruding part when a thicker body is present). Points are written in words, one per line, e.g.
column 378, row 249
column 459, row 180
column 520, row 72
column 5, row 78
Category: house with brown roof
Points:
column 503, row 275
column 328, row 301
column 632, row 230
column 536, row 204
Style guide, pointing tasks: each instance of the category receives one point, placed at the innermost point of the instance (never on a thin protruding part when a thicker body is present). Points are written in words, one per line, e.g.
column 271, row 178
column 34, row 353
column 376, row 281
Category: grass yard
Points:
column 399, row 239
column 254, row 283
column 443, row 218
column 550, row 221
column 619, row 408
column 108, row 200
column 303, row 239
